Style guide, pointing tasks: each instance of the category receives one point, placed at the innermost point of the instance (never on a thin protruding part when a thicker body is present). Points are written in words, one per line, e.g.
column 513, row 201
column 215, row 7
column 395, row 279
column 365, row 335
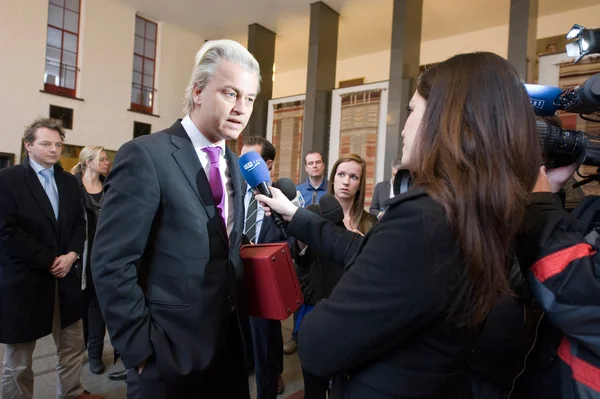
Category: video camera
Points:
column 564, row 146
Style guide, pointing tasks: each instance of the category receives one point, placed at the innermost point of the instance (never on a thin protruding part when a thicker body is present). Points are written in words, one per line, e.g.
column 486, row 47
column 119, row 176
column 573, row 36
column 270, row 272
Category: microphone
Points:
column 299, row 200
column 331, row 209
column 583, row 99
column 287, row 187
column 256, row 173
column 314, row 208
column 543, row 98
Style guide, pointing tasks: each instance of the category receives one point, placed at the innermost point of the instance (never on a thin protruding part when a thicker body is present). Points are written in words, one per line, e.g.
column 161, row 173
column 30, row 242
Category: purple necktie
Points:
column 214, row 177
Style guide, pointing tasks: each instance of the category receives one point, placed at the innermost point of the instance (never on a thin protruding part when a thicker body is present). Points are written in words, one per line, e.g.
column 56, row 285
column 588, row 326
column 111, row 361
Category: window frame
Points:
column 140, row 107
column 52, row 88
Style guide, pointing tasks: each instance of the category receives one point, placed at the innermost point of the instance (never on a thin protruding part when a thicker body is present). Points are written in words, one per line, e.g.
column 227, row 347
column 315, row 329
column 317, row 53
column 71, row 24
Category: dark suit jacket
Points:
column 384, row 327
column 381, row 193
column 30, row 240
column 270, row 233
column 165, row 272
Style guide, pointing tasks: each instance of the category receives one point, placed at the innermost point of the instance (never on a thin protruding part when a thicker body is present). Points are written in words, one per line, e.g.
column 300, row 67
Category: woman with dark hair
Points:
column 404, row 318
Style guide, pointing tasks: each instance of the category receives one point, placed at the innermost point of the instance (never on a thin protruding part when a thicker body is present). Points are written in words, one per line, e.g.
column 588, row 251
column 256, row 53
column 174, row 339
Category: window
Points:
column 141, row 129
column 6, row 160
column 64, row 114
column 60, row 75
column 144, row 58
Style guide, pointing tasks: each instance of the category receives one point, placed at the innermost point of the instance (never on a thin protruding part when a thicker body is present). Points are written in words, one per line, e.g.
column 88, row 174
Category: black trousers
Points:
column 94, row 326
column 315, row 387
column 230, row 381
column 267, row 341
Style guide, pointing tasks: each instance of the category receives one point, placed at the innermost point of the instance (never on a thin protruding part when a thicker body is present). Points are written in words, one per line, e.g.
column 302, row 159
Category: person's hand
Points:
column 279, row 203
column 62, row 264
column 542, row 185
column 557, row 177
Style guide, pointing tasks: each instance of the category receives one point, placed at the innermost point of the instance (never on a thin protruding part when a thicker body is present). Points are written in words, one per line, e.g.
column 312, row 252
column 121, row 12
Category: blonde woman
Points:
column 93, row 165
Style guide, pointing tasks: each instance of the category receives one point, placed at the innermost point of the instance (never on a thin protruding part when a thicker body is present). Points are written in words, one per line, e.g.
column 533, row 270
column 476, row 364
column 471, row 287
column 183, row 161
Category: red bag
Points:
column 272, row 287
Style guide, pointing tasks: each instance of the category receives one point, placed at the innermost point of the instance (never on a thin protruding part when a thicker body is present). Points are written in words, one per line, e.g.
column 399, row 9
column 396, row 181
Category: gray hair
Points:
column 397, row 163
column 207, row 61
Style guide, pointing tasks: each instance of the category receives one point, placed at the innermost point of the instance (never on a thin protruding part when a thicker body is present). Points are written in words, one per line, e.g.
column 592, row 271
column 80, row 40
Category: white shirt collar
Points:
column 198, row 139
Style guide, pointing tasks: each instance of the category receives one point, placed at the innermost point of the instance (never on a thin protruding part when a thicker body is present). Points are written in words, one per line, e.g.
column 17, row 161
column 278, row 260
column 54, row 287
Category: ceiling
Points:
column 365, row 25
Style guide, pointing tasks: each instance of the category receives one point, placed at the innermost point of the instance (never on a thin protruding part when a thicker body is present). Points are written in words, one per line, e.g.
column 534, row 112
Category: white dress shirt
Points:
column 392, row 187
column 199, row 141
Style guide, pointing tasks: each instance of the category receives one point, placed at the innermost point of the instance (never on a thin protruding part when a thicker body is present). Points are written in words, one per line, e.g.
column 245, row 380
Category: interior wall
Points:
column 375, row 67
column 105, row 62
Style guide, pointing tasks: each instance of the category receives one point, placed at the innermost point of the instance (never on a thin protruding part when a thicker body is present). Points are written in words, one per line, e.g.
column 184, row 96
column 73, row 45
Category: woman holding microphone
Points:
column 404, row 318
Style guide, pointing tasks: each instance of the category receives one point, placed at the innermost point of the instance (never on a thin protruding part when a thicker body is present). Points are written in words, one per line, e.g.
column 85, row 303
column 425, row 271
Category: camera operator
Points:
column 557, row 252
column 403, row 319
column 508, row 343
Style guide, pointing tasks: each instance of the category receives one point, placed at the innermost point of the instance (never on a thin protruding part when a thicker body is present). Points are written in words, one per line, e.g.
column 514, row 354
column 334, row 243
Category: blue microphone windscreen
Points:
column 254, row 169
column 542, row 98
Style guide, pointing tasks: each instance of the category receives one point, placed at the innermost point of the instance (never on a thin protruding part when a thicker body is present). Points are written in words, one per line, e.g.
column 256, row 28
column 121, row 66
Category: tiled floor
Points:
column 44, row 363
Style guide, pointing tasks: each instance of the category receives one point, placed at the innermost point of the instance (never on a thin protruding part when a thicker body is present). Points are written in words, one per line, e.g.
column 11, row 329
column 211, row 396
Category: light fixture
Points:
column 588, row 42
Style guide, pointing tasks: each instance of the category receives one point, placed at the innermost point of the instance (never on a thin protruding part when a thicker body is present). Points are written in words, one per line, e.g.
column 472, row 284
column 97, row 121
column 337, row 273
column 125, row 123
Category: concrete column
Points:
column 320, row 80
column 261, row 43
column 404, row 70
column 522, row 36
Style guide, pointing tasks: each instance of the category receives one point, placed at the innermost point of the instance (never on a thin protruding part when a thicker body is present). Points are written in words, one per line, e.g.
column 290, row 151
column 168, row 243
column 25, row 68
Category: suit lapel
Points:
column 59, row 178
column 187, row 160
column 38, row 192
column 387, row 187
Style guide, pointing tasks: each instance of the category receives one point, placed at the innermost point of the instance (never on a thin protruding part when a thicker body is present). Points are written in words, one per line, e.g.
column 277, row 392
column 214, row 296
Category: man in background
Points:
column 267, row 338
column 42, row 231
column 316, row 185
column 384, row 190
